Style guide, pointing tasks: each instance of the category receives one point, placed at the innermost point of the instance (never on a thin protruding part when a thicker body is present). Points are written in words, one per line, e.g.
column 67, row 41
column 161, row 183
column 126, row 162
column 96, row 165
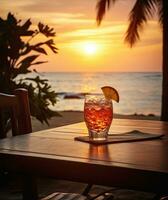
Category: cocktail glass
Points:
column 98, row 115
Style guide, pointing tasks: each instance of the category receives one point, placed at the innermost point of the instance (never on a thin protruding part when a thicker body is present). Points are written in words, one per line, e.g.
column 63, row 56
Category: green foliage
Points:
column 17, row 54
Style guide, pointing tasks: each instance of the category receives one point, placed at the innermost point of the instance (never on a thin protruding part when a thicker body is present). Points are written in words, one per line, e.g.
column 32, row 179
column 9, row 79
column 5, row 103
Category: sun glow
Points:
column 90, row 48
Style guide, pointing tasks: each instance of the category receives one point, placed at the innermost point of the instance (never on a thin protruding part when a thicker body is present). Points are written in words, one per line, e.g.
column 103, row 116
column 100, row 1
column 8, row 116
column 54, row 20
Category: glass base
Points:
column 98, row 136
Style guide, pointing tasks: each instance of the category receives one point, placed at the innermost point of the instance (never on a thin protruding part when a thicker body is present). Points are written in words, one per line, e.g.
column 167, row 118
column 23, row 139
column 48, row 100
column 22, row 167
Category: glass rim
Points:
column 98, row 96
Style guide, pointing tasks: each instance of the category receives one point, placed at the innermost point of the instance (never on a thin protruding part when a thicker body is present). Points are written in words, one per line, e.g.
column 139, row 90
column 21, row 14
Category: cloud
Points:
column 54, row 6
column 112, row 35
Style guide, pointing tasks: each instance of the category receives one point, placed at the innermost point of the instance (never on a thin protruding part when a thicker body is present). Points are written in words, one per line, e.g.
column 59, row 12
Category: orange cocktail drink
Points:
column 98, row 115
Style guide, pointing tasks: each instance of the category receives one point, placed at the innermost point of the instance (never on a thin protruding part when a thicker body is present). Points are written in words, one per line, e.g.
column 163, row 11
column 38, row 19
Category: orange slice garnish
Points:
column 110, row 93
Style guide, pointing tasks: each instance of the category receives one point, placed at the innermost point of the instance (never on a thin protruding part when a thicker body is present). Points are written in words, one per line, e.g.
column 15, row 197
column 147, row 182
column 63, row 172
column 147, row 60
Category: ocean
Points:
column 140, row 92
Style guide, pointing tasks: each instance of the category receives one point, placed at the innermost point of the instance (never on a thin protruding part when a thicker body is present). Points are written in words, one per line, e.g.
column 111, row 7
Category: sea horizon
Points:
column 140, row 92
column 98, row 72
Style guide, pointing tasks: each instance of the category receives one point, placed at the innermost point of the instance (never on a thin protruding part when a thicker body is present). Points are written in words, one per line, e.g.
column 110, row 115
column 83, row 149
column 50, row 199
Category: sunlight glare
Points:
column 90, row 48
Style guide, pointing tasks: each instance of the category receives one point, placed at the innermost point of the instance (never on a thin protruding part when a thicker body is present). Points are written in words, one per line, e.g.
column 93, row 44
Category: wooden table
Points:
column 54, row 153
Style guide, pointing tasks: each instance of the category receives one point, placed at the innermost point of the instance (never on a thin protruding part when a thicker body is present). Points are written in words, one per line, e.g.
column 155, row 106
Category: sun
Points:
column 90, row 48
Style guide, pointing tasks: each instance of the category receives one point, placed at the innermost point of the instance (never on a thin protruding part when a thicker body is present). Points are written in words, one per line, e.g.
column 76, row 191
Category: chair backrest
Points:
column 18, row 107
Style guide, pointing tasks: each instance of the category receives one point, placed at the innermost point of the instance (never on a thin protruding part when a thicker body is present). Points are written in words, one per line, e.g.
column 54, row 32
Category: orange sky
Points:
column 85, row 47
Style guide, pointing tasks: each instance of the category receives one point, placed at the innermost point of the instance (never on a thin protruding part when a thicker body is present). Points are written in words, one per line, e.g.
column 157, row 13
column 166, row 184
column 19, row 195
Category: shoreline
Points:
column 70, row 117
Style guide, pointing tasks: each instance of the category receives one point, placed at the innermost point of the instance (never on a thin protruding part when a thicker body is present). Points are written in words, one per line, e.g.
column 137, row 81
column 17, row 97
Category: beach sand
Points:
column 12, row 191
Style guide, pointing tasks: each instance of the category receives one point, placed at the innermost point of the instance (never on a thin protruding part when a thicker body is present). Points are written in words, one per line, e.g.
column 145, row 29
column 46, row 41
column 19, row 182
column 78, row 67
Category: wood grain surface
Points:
column 54, row 152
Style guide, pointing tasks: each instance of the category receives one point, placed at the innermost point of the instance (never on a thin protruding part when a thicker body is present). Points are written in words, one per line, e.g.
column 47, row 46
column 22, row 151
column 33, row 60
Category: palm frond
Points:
column 102, row 6
column 160, row 11
column 141, row 12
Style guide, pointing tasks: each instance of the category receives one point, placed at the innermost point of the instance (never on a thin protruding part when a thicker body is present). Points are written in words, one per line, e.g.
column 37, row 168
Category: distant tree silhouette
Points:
column 142, row 11
column 18, row 52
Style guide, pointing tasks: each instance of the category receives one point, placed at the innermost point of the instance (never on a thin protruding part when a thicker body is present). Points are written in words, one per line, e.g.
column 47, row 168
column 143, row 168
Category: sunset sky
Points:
column 83, row 46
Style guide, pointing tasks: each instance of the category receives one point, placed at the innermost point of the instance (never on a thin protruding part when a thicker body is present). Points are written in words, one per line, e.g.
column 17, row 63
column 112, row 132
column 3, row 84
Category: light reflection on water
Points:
column 139, row 92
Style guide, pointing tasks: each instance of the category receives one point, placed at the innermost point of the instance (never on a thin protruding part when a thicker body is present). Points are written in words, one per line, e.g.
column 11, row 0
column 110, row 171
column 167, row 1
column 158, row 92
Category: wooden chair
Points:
column 18, row 106
column 15, row 109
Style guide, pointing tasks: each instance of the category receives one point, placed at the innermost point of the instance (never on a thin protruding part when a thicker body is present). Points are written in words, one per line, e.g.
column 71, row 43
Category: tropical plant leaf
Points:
column 23, row 30
column 101, row 7
column 27, row 61
column 160, row 11
column 51, row 45
column 40, row 95
column 16, row 57
column 23, row 66
column 46, row 30
column 25, row 33
column 26, row 25
column 141, row 12
column 39, row 49
column 11, row 19
column 40, row 62
column 37, row 79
